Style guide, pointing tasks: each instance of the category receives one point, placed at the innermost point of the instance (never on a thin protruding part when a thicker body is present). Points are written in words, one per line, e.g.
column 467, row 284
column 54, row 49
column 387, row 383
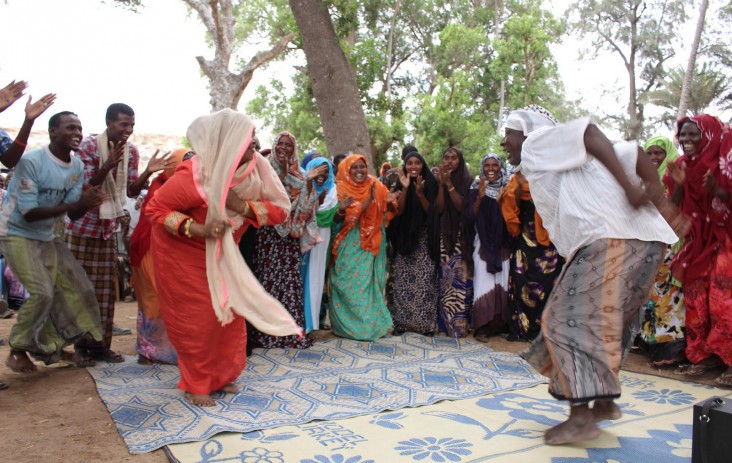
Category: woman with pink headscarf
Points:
column 198, row 216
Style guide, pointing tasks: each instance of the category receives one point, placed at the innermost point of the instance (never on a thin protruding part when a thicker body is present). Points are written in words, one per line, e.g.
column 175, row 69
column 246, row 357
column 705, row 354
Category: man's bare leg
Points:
column 579, row 427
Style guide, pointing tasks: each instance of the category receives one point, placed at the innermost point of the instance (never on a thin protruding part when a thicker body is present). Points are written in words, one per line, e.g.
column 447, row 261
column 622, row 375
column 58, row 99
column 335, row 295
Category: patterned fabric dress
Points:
column 456, row 291
column 664, row 317
column 534, row 268
column 278, row 260
column 277, row 263
column 358, row 278
column 415, row 290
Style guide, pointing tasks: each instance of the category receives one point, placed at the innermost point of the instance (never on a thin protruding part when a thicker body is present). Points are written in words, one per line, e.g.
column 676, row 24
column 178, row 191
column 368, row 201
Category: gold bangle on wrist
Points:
column 246, row 209
column 451, row 188
column 187, row 228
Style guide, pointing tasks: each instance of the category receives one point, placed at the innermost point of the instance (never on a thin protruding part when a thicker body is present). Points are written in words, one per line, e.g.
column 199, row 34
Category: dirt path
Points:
column 55, row 415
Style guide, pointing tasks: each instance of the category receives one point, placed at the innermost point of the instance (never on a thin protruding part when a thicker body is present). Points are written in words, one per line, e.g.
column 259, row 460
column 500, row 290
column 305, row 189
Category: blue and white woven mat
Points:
column 333, row 380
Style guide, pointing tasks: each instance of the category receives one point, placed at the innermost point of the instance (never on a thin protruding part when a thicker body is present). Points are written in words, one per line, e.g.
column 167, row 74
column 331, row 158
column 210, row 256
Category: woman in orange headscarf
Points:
column 153, row 344
column 358, row 276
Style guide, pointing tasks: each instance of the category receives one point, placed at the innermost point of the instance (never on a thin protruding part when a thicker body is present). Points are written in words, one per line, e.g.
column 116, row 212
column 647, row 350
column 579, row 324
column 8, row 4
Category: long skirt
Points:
column 709, row 310
column 534, row 268
column 314, row 279
column 210, row 356
column 152, row 337
column 277, row 267
column 591, row 318
column 490, row 304
column 98, row 257
column 61, row 309
column 456, row 291
column 415, row 290
column 663, row 319
column 357, row 281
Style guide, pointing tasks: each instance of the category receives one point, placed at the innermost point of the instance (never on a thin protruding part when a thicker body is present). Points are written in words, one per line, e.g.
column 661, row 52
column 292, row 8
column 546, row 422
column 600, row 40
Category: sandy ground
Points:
column 55, row 414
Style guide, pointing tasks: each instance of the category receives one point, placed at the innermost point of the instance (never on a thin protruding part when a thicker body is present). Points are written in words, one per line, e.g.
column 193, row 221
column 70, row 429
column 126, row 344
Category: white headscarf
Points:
column 220, row 141
column 530, row 118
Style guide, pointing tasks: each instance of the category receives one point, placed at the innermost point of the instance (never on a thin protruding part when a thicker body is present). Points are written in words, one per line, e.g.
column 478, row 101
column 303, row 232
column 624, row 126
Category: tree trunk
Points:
column 333, row 81
column 498, row 5
column 226, row 87
column 691, row 65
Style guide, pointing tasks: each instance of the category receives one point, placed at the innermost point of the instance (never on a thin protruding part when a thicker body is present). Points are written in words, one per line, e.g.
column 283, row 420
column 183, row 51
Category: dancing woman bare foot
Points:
column 202, row 400
column 230, row 388
column 19, row 362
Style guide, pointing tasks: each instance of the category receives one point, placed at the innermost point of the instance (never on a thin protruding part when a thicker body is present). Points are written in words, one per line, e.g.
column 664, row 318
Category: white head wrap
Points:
column 530, row 118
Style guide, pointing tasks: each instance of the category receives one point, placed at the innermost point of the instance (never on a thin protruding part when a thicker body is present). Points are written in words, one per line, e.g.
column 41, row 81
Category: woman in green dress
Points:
column 358, row 276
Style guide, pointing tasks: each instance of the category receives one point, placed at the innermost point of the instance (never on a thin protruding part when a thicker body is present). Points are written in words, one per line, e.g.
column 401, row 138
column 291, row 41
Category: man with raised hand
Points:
column 62, row 308
column 111, row 163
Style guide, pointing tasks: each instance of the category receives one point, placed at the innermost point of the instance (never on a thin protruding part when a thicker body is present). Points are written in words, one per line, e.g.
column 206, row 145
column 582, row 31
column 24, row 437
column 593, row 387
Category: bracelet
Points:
column 20, row 143
column 338, row 212
column 451, row 188
column 246, row 209
column 187, row 228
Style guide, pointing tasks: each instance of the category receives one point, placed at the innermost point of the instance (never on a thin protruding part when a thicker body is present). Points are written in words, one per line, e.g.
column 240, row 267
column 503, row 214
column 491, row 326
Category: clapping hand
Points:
column 116, row 151
column 91, row 197
column 419, row 185
column 33, row 110
column 709, row 183
column 345, row 204
column 157, row 163
column 392, row 196
column 481, row 186
column 678, row 173
column 403, row 179
column 11, row 93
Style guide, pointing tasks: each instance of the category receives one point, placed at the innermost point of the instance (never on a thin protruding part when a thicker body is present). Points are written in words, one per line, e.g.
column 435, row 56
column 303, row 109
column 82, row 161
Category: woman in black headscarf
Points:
column 413, row 234
column 455, row 282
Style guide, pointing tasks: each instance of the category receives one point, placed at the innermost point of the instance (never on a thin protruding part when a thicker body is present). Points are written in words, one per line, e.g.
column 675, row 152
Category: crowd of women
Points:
column 419, row 249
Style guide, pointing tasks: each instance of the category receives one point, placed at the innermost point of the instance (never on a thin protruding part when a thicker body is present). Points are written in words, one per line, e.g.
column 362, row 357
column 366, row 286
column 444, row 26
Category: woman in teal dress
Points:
column 358, row 276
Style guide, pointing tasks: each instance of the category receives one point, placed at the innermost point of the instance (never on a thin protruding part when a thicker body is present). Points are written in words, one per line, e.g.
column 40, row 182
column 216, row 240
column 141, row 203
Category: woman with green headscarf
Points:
column 664, row 316
column 662, row 151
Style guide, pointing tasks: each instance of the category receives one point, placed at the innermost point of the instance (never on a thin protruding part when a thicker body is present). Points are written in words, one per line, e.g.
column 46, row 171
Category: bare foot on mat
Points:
column 606, row 410
column 230, row 388
column 19, row 362
column 202, row 400
column 579, row 427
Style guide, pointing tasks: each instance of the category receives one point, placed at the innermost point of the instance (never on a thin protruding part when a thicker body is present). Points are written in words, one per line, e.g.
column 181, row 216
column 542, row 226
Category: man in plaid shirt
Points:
column 92, row 238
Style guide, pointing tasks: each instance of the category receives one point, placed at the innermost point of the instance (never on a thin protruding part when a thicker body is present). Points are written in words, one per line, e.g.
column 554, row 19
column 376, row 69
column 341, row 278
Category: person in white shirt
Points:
column 606, row 213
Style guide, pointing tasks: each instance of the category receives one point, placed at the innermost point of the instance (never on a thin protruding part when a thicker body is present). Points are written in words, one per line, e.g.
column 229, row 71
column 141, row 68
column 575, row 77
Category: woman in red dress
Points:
column 198, row 217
